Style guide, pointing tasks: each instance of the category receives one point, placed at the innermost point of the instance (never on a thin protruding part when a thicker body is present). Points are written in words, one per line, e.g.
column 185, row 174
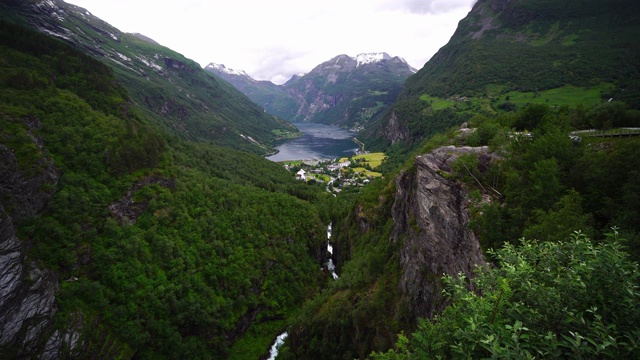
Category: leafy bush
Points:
column 572, row 299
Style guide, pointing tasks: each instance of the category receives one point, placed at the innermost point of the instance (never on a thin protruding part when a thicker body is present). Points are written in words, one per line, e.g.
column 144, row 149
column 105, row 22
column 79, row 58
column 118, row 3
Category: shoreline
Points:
column 360, row 145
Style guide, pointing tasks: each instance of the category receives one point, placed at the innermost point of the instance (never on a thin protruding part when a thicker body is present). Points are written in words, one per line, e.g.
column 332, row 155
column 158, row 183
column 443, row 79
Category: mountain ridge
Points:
column 119, row 240
column 346, row 91
column 175, row 91
column 506, row 46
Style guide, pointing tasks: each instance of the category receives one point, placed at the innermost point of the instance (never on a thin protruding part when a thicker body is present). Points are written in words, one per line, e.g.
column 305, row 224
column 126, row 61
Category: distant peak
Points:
column 223, row 69
column 369, row 58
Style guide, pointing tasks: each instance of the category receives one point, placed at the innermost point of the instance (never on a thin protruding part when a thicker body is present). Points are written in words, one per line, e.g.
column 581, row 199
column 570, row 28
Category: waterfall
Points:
column 330, row 265
column 276, row 345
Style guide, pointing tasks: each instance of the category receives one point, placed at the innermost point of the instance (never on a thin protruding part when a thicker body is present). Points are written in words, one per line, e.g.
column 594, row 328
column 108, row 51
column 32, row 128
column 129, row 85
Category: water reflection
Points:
column 318, row 141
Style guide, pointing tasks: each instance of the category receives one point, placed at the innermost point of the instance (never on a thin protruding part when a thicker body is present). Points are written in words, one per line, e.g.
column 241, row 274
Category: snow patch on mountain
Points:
column 55, row 11
column 370, row 58
column 55, row 34
column 123, row 57
column 223, row 69
column 150, row 63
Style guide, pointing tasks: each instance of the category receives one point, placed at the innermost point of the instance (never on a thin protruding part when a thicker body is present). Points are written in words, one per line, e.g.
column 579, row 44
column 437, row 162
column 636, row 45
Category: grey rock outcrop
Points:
column 127, row 210
column 394, row 131
column 27, row 292
column 430, row 213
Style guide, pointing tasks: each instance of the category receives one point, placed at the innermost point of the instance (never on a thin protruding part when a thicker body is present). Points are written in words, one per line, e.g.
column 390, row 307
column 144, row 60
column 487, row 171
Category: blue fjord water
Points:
column 318, row 141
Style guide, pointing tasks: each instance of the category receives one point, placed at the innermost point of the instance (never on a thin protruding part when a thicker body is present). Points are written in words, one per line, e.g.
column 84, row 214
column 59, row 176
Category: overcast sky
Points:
column 272, row 40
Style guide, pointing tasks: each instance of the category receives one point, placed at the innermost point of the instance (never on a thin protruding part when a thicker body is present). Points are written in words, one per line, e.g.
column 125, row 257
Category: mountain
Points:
column 345, row 91
column 119, row 240
column 273, row 98
column 506, row 54
column 513, row 187
column 172, row 90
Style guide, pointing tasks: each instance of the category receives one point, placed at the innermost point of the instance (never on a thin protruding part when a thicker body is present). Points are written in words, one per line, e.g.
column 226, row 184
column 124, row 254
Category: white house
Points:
column 301, row 175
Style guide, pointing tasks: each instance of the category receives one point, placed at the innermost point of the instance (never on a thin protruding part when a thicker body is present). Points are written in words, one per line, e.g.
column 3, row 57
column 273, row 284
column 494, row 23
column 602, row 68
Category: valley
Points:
column 485, row 205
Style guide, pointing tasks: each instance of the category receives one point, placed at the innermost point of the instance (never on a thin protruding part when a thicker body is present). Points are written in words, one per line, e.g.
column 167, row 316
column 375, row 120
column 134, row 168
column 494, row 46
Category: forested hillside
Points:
column 506, row 54
column 171, row 90
column 541, row 185
column 524, row 77
column 558, row 217
column 160, row 247
column 514, row 235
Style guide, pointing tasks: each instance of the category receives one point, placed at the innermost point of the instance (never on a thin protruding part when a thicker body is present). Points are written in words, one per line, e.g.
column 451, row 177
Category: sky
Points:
column 273, row 40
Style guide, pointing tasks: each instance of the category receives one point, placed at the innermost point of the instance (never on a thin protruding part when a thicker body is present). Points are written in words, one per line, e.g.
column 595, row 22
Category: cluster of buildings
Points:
column 339, row 173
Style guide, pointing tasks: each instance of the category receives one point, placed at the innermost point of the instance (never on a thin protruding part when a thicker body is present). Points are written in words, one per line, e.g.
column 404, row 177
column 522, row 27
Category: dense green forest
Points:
column 569, row 299
column 165, row 248
column 545, row 187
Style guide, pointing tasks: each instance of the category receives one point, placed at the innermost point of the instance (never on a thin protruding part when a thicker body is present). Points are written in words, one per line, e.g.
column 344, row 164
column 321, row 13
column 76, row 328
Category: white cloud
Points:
column 275, row 39
column 426, row 6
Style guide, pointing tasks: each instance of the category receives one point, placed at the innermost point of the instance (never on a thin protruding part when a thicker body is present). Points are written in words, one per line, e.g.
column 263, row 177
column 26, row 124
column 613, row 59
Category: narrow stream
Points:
column 331, row 267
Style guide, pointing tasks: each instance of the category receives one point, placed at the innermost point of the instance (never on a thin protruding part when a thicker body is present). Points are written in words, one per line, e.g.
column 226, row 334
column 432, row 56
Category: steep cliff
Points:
column 27, row 292
column 430, row 215
column 393, row 250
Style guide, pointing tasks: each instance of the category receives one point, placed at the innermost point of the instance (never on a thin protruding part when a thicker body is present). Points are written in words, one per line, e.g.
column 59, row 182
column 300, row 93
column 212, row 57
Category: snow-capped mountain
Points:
column 346, row 90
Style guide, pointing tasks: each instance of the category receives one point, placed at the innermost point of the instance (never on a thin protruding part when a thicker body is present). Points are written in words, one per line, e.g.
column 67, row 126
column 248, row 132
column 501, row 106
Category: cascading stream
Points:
column 280, row 339
column 276, row 345
column 330, row 265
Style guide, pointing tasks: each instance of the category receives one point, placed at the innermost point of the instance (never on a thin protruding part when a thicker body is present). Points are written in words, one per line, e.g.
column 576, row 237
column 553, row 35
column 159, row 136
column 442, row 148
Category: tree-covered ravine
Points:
column 495, row 231
column 161, row 247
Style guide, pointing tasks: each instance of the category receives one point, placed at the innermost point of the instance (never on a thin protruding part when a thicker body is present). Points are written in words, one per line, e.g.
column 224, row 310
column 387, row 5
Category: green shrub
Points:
column 572, row 299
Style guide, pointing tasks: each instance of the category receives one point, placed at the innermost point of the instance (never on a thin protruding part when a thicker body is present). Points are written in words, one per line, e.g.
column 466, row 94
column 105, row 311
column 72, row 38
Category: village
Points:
column 338, row 174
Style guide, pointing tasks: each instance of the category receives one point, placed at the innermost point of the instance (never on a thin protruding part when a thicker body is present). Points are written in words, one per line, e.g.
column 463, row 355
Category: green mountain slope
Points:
column 157, row 247
column 506, row 54
column 394, row 266
column 517, row 72
column 273, row 98
column 173, row 90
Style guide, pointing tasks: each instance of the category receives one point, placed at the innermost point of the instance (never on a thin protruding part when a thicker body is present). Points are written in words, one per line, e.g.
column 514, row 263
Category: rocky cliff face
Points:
column 416, row 230
column 27, row 292
column 430, row 214
column 394, row 130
